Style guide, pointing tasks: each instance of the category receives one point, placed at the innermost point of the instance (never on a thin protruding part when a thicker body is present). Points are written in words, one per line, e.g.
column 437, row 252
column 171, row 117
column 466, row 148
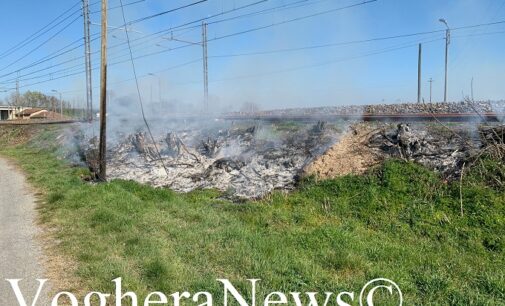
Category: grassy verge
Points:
column 399, row 222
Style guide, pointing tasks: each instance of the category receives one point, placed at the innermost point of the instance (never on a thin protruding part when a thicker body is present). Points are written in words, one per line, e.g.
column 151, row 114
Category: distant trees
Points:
column 35, row 99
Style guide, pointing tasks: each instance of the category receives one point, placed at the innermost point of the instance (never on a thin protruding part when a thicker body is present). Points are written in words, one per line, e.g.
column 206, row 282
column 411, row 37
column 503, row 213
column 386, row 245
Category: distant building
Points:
column 8, row 112
column 28, row 113
column 39, row 113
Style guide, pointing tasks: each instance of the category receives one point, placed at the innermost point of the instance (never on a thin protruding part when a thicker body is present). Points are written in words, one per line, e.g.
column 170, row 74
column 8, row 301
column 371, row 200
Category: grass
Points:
column 400, row 222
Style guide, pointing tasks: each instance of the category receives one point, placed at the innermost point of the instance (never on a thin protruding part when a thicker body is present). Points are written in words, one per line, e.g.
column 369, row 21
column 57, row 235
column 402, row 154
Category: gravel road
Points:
column 20, row 253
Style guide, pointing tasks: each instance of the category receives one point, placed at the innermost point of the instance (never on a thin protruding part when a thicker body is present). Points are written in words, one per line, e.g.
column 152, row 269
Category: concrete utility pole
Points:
column 87, row 56
column 205, row 67
column 419, row 73
column 447, row 42
column 204, row 44
column 102, row 149
column 431, row 83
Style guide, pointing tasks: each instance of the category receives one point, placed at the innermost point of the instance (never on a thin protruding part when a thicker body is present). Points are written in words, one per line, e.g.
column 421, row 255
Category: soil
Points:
column 350, row 155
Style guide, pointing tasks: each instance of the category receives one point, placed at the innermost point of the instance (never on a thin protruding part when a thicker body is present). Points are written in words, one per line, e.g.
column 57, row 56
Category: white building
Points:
column 8, row 112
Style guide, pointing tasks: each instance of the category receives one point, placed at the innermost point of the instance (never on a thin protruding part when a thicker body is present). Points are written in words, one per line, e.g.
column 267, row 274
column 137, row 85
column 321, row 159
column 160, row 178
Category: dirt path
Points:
column 20, row 253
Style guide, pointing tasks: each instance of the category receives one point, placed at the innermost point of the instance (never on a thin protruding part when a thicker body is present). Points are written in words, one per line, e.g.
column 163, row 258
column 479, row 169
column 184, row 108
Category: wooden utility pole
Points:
column 419, row 62
column 102, row 150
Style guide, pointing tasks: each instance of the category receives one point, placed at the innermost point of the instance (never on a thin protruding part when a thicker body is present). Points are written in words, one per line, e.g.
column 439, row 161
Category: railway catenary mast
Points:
column 87, row 57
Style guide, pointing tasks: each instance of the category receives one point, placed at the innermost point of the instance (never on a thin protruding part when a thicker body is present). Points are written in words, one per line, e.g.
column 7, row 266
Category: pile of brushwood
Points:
column 252, row 161
column 441, row 148
column 242, row 161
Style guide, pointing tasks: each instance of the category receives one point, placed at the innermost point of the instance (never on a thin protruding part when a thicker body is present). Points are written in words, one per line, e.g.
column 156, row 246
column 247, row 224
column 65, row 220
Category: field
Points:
column 442, row 243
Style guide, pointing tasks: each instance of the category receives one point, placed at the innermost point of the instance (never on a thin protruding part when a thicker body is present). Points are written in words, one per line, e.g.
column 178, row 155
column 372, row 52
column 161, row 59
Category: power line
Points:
column 479, row 34
column 164, row 13
column 35, row 35
column 264, row 52
column 258, row 28
column 269, row 26
column 57, row 71
column 381, row 51
column 139, row 94
column 96, row 2
column 324, row 63
column 46, row 59
column 180, row 28
column 358, row 41
column 296, row 4
column 43, row 60
column 219, row 56
column 284, row 50
column 145, row 75
column 40, row 45
column 163, row 32
column 194, row 61
column 117, row 7
column 50, row 57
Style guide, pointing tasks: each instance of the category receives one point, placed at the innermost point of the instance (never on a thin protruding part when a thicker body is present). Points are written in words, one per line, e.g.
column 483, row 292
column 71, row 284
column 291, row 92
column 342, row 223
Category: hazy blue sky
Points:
column 347, row 74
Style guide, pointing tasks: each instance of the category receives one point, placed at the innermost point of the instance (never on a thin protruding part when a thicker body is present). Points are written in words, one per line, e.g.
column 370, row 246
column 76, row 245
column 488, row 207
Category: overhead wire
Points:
column 228, row 55
column 157, row 33
column 62, row 51
column 46, row 59
column 118, row 6
column 41, row 44
column 324, row 63
column 164, row 12
column 141, row 104
column 38, row 33
column 361, row 41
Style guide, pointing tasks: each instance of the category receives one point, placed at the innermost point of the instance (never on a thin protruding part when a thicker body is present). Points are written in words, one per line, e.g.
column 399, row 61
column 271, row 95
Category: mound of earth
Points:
column 351, row 155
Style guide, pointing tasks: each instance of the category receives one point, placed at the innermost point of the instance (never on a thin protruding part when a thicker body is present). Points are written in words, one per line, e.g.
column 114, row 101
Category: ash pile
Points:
column 442, row 150
column 242, row 161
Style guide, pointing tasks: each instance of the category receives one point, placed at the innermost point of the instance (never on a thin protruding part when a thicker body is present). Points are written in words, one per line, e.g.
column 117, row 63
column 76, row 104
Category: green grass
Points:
column 400, row 222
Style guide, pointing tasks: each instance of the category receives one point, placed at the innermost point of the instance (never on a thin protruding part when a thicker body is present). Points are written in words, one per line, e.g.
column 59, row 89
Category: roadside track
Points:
column 20, row 253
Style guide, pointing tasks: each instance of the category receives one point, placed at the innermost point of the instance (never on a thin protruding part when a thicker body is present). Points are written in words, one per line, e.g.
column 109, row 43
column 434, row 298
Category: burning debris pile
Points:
column 242, row 161
column 250, row 161
column 437, row 149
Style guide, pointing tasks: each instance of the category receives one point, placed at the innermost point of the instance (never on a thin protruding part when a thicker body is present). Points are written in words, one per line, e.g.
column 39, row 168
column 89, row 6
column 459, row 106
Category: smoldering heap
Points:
column 242, row 161
column 439, row 149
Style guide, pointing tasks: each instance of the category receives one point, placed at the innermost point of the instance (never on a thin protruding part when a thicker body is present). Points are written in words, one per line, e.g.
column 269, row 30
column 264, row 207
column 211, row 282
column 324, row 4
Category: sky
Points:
column 272, row 53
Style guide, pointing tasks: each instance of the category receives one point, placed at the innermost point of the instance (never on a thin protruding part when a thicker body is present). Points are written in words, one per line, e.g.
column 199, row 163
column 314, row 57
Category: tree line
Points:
column 36, row 99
